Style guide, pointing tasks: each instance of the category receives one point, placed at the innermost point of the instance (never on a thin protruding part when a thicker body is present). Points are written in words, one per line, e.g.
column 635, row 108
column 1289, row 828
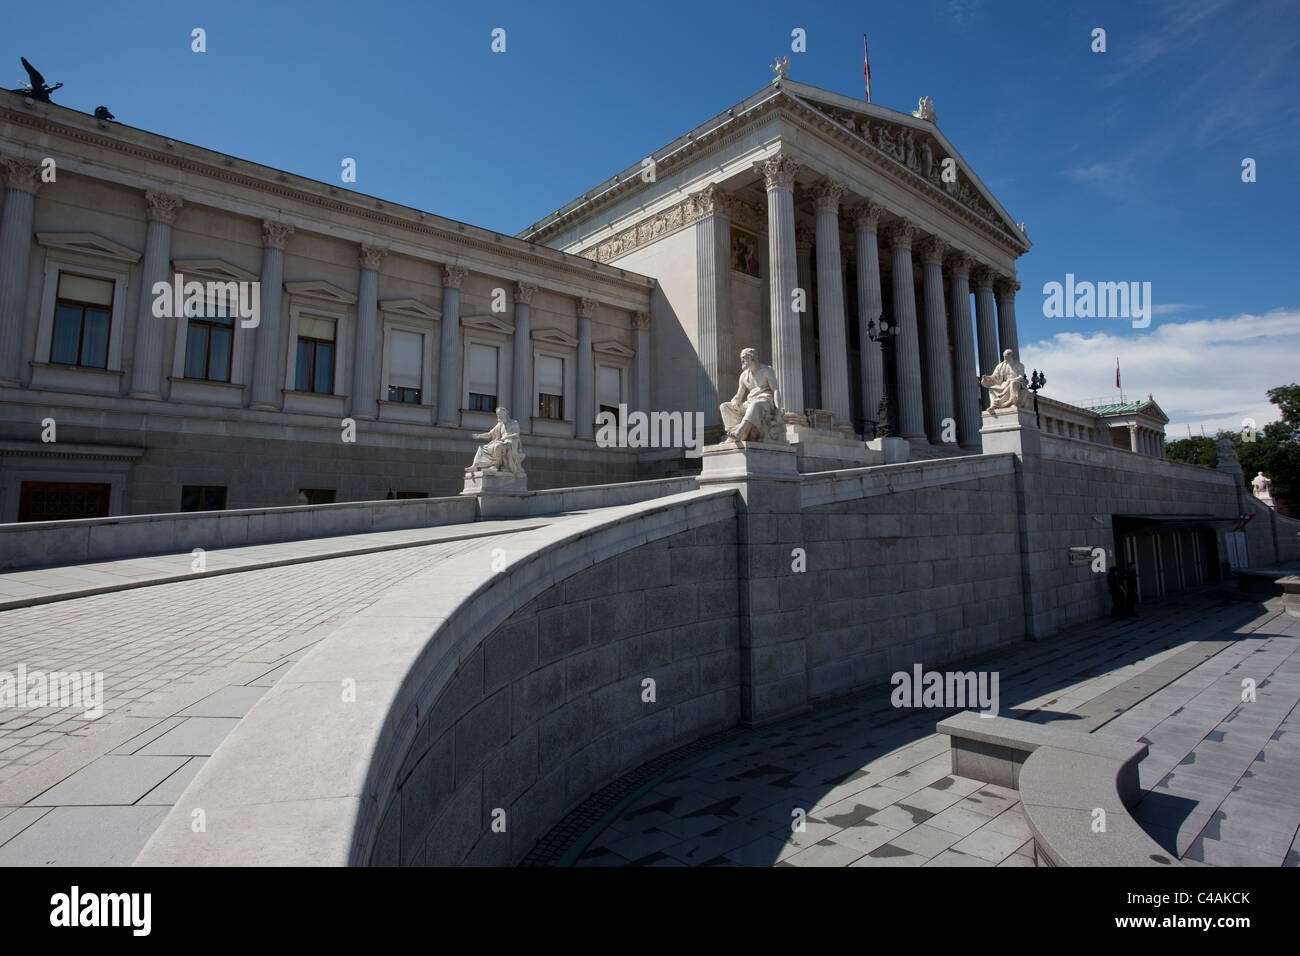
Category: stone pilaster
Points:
column 986, row 326
column 641, row 368
column 267, row 370
column 803, row 243
column 713, row 297
column 907, row 350
column 965, row 386
column 22, row 179
column 584, row 415
column 449, row 356
column 939, row 404
column 365, row 392
column 779, row 174
column 147, row 363
column 1006, row 293
column 866, row 217
column 834, row 366
column 521, row 367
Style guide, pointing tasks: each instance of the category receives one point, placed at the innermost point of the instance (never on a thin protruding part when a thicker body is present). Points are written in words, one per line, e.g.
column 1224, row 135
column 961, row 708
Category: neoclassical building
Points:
column 850, row 244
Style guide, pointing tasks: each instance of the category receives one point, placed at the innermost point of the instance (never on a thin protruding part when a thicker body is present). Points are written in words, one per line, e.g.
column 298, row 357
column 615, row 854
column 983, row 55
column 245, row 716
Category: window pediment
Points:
column 487, row 323
column 89, row 244
column 410, row 309
column 217, row 269
column 610, row 347
column 319, row 289
column 555, row 337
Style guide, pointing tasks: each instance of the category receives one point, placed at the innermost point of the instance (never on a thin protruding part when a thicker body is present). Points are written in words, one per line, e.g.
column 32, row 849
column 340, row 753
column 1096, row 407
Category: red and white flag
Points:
column 866, row 67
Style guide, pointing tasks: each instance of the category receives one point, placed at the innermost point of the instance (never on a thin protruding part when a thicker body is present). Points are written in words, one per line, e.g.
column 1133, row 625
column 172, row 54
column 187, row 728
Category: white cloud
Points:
column 1212, row 372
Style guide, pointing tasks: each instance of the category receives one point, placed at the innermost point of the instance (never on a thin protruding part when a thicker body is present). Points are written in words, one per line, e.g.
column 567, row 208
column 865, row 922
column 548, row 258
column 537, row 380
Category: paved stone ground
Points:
column 875, row 784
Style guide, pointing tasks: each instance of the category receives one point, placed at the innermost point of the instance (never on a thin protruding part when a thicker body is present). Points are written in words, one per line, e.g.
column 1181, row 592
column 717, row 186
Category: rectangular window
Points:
column 550, row 387
column 411, row 494
column 315, row 496
column 208, row 344
column 59, row 501
column 203, row 498
column 83, row 312
column 315, row 363
column 482, row 378
column 405, row 366
column 609, row 388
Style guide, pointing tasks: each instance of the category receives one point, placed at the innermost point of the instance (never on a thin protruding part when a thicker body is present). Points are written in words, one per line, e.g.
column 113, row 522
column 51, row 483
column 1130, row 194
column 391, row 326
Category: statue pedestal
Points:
column 1009, row 430
column 893, row 450
column 494, row 483
column 737, row 461
column 825, row 449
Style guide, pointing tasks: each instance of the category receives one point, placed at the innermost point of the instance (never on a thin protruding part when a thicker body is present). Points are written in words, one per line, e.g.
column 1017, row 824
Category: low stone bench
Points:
column 1063, row 776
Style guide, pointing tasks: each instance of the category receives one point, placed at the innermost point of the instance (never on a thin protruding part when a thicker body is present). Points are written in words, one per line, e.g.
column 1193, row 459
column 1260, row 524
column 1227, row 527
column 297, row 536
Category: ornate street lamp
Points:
column 879, row 330
column 1036, row 381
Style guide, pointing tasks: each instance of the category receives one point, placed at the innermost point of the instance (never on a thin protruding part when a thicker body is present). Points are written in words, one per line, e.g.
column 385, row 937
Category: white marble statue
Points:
column 1008, row 387
column 1263, row 487
column 753, row 414
column 925, row 110
column 503, row 453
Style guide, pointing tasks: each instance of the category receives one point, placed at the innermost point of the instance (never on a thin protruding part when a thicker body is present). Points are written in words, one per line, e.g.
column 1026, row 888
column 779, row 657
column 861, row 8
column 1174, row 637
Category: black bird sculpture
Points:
column 102, row 113
column 37, row 89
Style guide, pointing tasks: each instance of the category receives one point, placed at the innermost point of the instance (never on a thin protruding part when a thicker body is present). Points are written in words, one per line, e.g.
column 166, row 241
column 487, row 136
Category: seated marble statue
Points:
column 503, row 452
column 1007, row 386
column 1262, row 486
column 753, row 414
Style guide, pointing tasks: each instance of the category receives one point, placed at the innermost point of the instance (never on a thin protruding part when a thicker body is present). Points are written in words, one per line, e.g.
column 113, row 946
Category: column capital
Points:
column 712, row 200
column 982, row 276
column 866, row 215
column 21, row 174
column 959, row 264
column 587, row 308
column 827, row 195
column 640, row 320
column 901, row 233
column 453, row 276
column 779, row 171
column 372, row 256
column 162, row 207
column 1006, row 288
column 803, row 240
column 524, row 292
column 275, row 235
column 932, row 250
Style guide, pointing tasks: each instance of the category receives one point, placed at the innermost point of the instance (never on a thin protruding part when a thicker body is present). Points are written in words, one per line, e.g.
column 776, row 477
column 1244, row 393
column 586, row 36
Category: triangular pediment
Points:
column 611, row 347
column 319, row 289
column 410, row 309
column 89, row 244
column 487, row 323
column 217, row 269
column 555, row 337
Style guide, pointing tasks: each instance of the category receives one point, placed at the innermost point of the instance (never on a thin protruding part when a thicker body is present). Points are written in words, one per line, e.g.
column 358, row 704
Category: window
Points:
column 550, row 387
column 482, row 378
column 315, row 496
column 405, row 366
column 83, row 311
column 58, row 501
column 208, row 346
column 315, row 366
column 411, row 494
column 203, row 497
column 609, row 388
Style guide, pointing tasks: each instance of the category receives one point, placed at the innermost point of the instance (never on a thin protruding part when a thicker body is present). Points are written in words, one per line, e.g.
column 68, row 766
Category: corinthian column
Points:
column 449, row 357
column 266, row 358
column 521, row 376
column 803, row 243
column 966, row 388
column 938, row 405
column 22, row 179
column 985, row 326
column 866, row 217
column 365, row 393
column 641, row 368
column 778, row 175
column 146, row 369
column 1006, row 291
column 911, row 414
column 830, row 304
column 713, row 296
column 584, row 416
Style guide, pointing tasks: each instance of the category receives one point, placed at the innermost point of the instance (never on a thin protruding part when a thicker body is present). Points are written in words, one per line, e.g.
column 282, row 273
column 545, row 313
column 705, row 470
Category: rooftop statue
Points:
column 753, row 414
column 37, row 88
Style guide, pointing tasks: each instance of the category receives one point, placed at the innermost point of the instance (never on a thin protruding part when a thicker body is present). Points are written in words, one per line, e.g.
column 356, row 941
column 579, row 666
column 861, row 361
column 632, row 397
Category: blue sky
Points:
column 1125, row 165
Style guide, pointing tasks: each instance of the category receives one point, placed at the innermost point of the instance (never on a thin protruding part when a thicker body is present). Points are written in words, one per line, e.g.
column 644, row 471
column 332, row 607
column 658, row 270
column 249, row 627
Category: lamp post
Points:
column 880, row 331
column 1036, row 381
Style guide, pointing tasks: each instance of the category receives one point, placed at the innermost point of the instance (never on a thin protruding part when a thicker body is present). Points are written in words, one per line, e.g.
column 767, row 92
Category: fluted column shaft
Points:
column 1007, row 335
column 939, row 403
column 266, row 355
column 147, row 361
column 870, row 306
column 449, row 355
column 641, row 368
column 584, row 416
column 965, row 385
column 911, row 413
column 986, row 327
column 779, row 173
column 521, row 366
column 365, row 393
column 834, row 364
column 713, row 298
column 803, row 243
column 22, row 179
